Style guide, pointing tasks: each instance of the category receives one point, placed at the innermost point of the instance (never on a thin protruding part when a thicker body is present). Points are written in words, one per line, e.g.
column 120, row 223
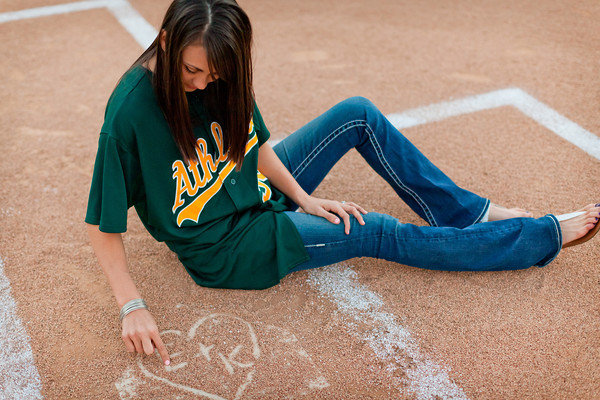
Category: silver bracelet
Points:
column 132, row 305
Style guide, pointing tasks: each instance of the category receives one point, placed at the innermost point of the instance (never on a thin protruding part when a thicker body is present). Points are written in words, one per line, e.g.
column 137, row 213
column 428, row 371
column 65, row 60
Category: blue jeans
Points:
column 453, row 241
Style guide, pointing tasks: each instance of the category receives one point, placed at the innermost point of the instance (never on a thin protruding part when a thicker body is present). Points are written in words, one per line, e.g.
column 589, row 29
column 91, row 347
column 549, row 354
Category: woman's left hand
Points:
column 324, row 208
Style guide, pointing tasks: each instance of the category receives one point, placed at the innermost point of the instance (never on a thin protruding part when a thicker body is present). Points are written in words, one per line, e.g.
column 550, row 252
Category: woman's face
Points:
column 195, row 74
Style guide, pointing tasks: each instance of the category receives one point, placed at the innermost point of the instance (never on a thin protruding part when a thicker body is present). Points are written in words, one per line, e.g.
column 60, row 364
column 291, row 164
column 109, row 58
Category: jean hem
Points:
column 484, row 212
column 558, row 232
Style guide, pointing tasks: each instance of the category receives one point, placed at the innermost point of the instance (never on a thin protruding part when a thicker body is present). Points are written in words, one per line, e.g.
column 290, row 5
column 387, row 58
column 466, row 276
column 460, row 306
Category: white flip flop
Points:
column 564, row 217
column 592, row 232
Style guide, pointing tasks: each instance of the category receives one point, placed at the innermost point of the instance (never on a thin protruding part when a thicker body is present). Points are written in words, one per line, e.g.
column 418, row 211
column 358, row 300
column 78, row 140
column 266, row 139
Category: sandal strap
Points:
column 564, row 217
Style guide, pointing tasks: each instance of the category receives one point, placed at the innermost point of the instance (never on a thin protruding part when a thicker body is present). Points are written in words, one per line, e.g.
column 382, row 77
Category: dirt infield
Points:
column 367, row 328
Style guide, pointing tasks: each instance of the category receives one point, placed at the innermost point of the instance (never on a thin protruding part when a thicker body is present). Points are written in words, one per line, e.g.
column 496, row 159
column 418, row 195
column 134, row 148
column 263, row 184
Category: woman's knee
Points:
column 358, row 107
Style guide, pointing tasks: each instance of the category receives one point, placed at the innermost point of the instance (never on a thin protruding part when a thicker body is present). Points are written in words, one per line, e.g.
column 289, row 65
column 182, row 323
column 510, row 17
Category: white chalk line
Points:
column 514, row 97
column 184, row 345
column 144, row 33
column 19, row 379
column 427, row 378
column 137, row 26
column 141, row 30
column 52, row 10
column 389, row 340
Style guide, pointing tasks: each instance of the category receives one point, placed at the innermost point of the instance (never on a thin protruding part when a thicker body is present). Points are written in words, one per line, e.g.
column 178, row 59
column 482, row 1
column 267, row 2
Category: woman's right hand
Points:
column 140, row 334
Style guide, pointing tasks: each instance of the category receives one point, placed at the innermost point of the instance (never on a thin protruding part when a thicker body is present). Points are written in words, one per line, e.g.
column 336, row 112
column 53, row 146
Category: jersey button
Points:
column 232, row 181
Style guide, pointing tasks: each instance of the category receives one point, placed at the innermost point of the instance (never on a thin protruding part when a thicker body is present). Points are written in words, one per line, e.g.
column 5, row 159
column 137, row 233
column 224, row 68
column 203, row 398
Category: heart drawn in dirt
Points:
column 200, row 355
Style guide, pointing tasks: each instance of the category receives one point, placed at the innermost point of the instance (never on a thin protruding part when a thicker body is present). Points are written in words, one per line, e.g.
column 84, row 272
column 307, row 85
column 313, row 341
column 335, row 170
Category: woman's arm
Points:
column 110, row 252
column 139, row 327
column 271, row 166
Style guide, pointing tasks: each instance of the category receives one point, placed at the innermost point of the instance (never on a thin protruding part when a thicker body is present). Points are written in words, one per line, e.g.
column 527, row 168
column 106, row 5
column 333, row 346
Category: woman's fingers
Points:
column 138, row 344
column 329, row 216
column 129, row 344
column 140, row 334
column 323, row 211
column 343, row 210
column 162, row 349
column 353, row 209
column 147, row 344
column 362, row 210
column 338, row 209
column 328, row 208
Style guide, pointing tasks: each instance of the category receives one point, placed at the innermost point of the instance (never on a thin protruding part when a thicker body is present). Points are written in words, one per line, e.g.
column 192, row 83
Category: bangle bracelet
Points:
column 130, row 306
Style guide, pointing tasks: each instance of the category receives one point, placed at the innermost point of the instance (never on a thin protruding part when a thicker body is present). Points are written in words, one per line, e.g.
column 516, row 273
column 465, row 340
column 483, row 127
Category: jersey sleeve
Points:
column 113, row 190
column 262, row 132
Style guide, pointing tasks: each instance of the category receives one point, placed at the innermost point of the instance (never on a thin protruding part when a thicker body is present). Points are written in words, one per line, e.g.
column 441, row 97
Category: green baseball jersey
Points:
column 227, row 228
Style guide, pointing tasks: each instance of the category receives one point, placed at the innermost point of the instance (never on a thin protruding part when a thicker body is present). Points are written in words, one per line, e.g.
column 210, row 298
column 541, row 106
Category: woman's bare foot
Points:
column 576, row 227
column 498, row 213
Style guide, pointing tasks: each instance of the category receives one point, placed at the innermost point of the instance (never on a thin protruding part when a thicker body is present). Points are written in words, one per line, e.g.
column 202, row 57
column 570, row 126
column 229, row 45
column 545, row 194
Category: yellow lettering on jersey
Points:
column 217, row 133
column 207, row 164
column 182, row 183
column 262, row 184
column 194, row 209
column 182, row 180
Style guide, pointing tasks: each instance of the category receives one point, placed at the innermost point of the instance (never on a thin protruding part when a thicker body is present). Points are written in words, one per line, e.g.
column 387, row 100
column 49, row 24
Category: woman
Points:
column 184, row 142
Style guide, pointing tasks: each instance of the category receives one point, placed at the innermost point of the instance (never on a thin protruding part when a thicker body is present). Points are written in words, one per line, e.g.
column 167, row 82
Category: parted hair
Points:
column 224, row 30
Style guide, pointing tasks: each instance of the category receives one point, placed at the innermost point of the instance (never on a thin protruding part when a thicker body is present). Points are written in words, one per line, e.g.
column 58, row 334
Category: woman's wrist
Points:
column 301, row 199
column 123, row 296
column 132, row 305
column 123, row 287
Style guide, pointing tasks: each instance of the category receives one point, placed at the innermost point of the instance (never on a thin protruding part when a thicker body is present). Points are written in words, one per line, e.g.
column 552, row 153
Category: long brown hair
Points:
column 224, row 30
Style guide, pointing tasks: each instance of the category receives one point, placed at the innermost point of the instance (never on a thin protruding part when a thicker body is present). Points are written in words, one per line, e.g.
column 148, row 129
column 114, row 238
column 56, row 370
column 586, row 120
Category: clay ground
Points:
column 504, row 335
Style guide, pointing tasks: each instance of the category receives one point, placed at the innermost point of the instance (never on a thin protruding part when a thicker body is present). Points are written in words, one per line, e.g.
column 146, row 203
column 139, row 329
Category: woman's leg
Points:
column 514, row 243
column 310, row 153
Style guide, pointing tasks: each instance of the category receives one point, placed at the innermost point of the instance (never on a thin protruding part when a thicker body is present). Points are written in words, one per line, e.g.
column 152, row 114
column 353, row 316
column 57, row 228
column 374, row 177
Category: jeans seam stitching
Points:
column 415, row 196
column 348, row 240
column 317, row 150
column 352, row 124
column 496, row 230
